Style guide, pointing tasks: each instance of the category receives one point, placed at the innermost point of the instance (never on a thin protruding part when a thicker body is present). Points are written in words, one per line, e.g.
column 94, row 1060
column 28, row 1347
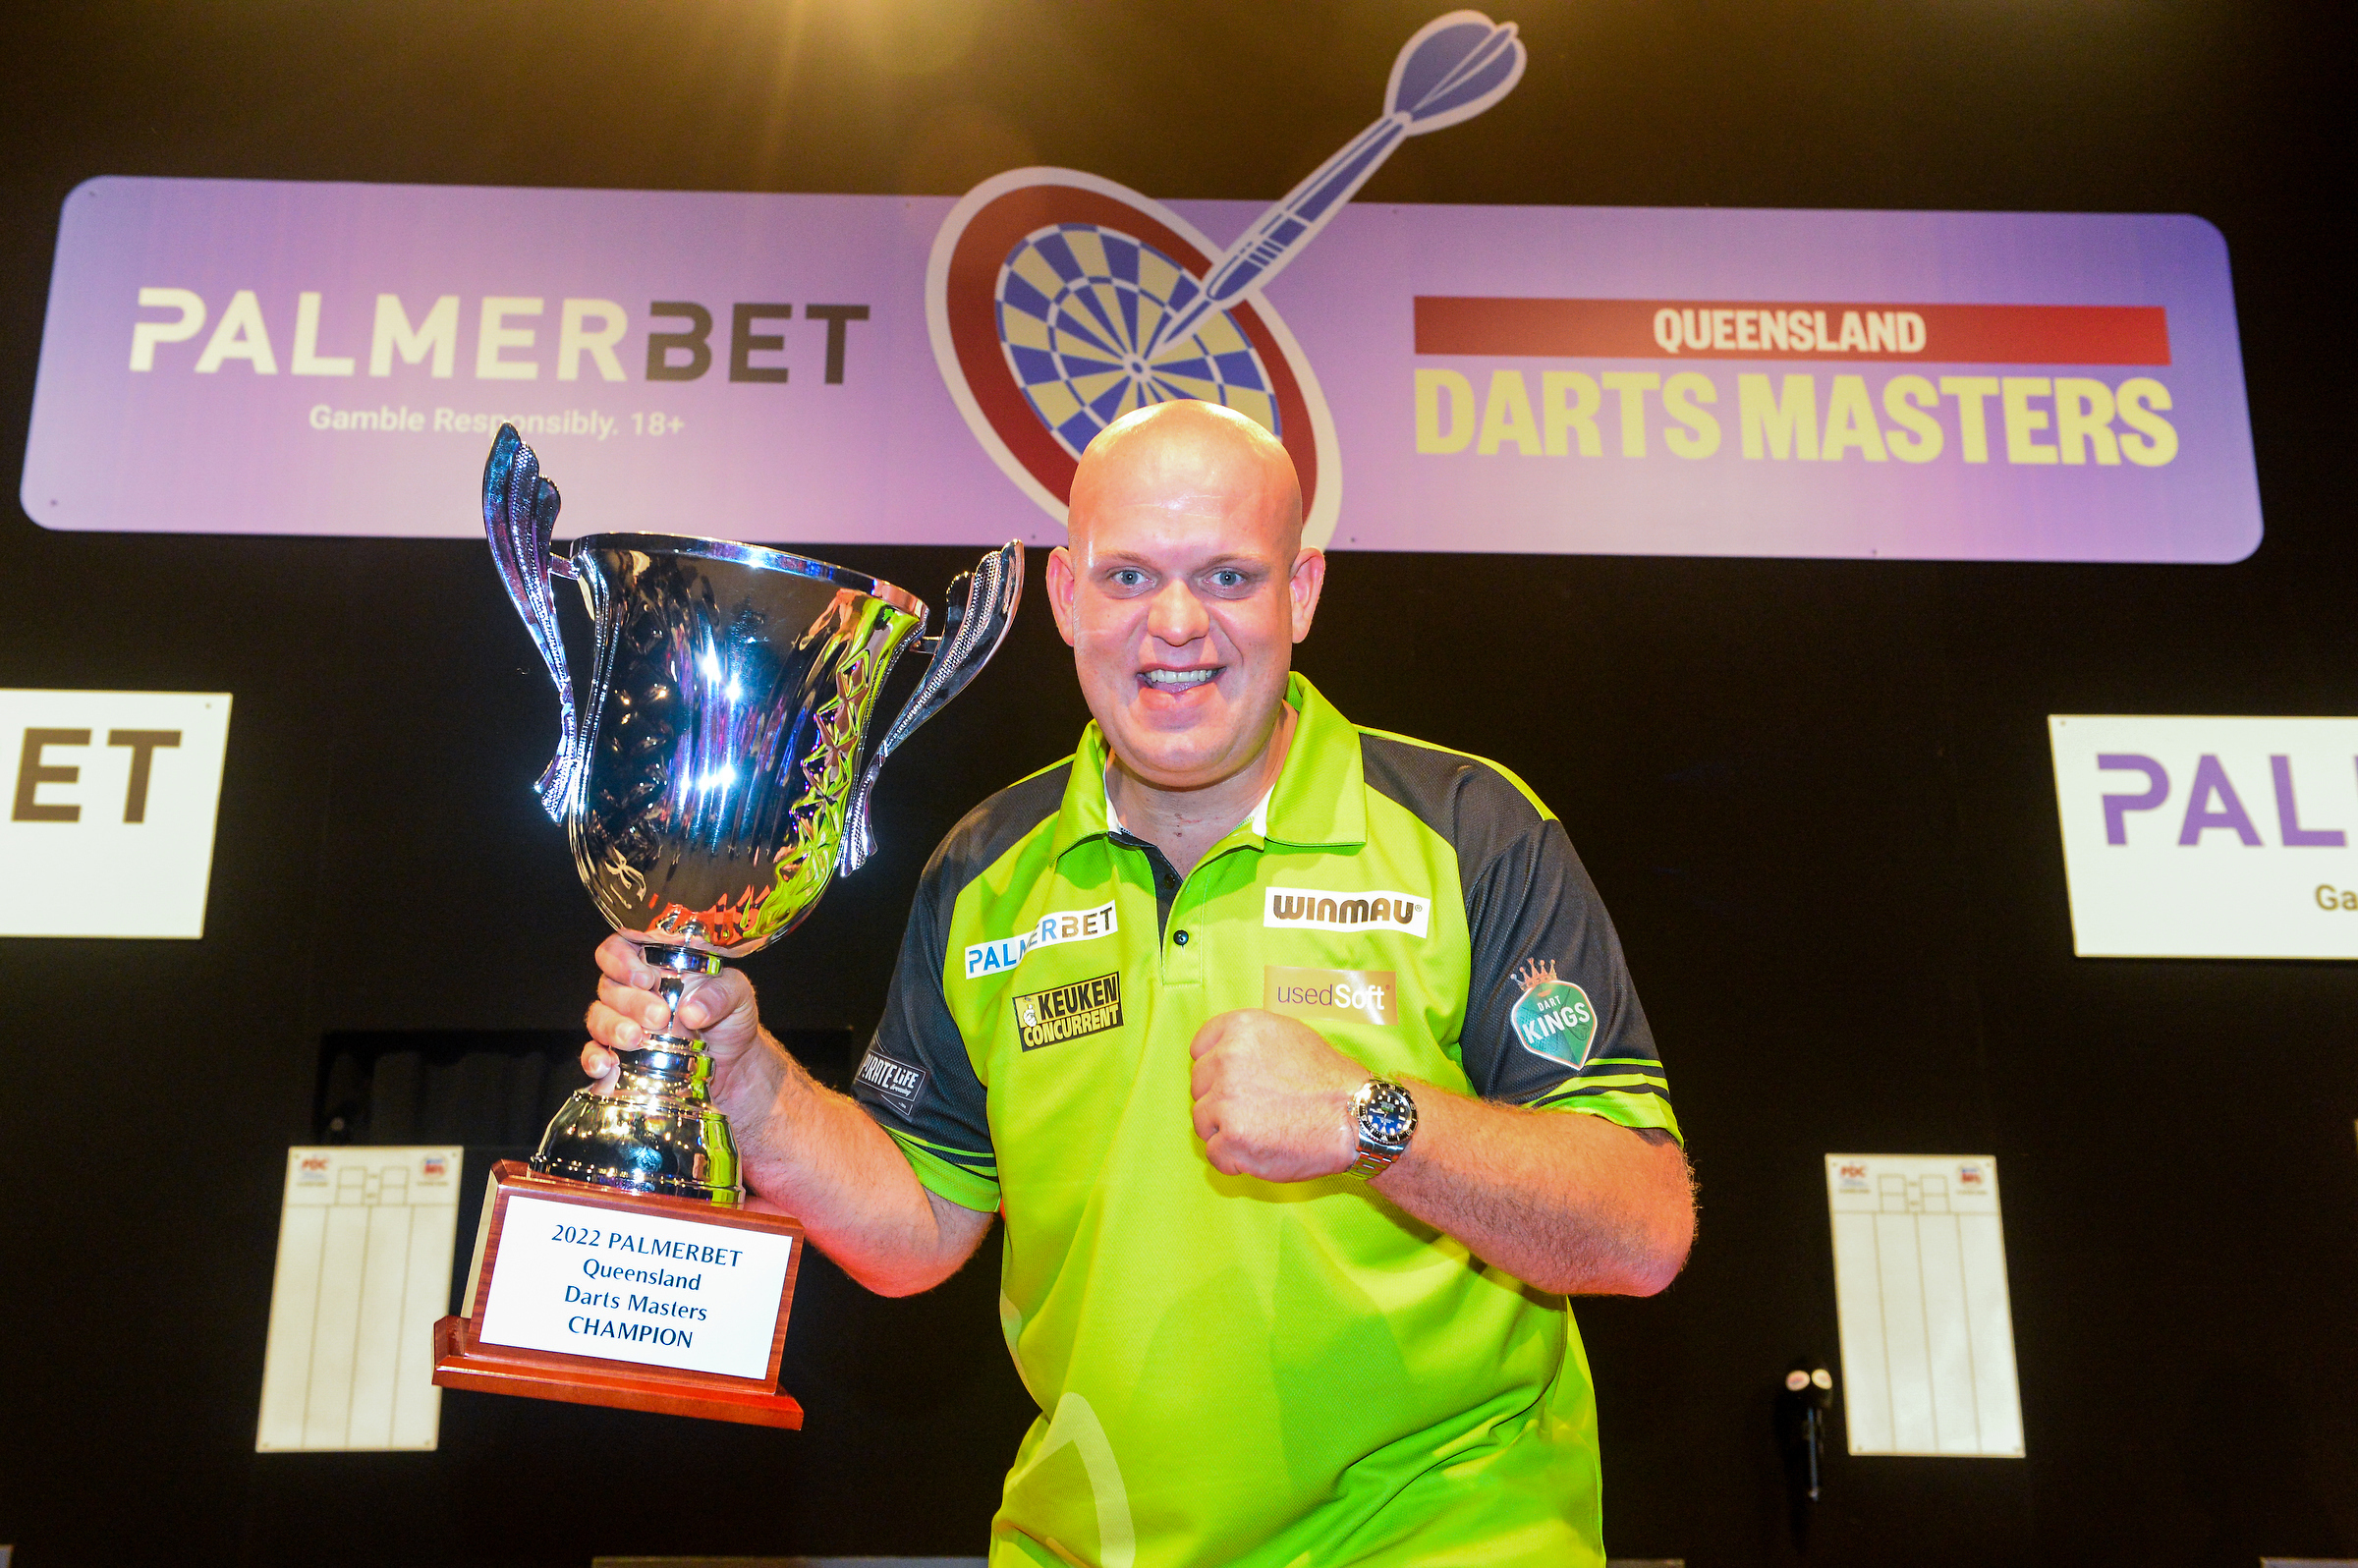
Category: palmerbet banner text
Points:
column 249, row 356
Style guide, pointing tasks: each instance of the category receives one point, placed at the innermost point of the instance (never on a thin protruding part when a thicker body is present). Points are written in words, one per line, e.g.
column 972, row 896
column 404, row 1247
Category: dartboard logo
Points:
column 1059, row 302
column 1045, row 293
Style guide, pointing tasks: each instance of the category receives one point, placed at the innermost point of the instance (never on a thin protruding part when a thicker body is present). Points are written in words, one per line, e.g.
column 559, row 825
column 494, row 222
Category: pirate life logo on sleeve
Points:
column 1067, row 1012
column 1324, row 910
column 1552, row 1018
column 1065, row 925
column 1332, row 995
column 896, row 1083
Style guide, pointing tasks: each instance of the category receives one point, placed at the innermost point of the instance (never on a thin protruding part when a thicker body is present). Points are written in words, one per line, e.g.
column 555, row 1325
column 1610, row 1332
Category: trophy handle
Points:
column 977, row 611
column 520, row 515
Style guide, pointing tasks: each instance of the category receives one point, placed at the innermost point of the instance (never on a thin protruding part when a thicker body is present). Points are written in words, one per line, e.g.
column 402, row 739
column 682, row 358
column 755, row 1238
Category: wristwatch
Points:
column 1385, row 1118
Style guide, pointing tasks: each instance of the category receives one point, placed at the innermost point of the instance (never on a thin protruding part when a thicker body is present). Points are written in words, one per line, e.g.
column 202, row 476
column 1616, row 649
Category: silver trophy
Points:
column 710, row 778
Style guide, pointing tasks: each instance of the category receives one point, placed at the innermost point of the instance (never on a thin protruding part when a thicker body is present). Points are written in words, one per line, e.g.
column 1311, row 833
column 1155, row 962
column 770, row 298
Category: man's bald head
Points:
column 1183, row 589
column 1187, row 454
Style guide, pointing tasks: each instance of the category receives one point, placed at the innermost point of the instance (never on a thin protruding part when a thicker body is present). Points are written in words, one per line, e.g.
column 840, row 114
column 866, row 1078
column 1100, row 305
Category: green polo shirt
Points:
column 1235, row 1372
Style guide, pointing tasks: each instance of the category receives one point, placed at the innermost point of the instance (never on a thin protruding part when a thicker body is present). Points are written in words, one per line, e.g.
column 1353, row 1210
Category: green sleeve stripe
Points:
column 1589, row 1078
column 1576, row 1088
column 1634, row 1111
column 1500, row 769
column 985, row 1163
column 965, row 1188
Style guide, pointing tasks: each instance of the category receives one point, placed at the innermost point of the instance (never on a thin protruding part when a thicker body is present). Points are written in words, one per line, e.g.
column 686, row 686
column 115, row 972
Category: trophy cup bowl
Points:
column 710, row 776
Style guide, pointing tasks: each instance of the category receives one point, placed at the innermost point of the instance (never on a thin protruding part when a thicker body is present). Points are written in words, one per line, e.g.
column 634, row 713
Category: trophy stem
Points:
column 658, row 1131
column 674, row 968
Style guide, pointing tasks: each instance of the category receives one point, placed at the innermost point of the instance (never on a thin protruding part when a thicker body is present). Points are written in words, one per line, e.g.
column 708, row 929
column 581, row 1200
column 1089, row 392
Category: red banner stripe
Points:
column 1648, row 329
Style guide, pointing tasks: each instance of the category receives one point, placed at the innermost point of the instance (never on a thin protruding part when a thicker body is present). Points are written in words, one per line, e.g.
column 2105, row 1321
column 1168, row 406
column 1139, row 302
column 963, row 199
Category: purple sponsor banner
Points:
column 332, row 359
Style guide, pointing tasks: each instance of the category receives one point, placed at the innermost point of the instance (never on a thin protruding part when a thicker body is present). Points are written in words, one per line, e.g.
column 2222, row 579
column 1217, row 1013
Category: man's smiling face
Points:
column 1184, row 589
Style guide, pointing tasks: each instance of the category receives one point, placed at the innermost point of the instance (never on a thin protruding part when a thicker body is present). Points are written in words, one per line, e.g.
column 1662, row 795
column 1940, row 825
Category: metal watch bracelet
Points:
column 1383, row 1118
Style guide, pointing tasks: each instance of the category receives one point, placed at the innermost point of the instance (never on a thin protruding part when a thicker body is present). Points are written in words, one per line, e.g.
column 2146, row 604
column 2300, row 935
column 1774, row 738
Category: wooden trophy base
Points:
column 459, row 1363
column 589, row 1218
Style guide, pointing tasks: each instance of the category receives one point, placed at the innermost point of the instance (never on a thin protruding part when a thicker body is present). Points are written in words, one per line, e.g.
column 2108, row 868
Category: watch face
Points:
column 1388, row 1115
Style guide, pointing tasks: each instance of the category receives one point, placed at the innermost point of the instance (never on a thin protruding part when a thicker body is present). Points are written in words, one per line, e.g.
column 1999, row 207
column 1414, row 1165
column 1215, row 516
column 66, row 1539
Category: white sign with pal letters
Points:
column 111, row 798
column 2208, row 837
column 648, row 1288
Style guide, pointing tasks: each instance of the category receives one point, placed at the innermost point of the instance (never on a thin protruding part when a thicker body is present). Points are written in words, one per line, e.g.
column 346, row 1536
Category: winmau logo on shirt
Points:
column 1324, row 910
column 1069, row 925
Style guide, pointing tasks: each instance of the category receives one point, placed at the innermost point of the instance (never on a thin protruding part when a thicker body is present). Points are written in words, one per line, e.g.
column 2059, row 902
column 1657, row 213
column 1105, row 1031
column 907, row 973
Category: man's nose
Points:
column 1177, row 616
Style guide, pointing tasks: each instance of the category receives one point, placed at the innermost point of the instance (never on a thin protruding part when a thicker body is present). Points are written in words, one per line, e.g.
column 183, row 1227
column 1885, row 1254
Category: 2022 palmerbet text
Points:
column 598, row 1270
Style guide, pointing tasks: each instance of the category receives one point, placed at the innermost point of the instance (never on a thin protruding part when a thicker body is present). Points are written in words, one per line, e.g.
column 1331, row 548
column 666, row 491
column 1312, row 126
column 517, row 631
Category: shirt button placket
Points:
column 1182, row 953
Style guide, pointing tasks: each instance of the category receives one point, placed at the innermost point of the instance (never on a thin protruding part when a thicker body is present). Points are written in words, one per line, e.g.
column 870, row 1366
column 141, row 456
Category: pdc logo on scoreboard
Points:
column 1059, row 301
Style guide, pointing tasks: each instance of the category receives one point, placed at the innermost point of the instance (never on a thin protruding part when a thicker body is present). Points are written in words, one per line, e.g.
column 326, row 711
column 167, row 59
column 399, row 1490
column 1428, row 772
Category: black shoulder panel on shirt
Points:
column 1529, row 903
column 1463, row 799
column 993, row 828
column 917, row 1047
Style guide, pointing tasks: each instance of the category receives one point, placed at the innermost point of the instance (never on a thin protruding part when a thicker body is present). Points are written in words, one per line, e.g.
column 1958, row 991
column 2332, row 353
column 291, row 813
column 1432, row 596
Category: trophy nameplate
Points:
column 669, row 1305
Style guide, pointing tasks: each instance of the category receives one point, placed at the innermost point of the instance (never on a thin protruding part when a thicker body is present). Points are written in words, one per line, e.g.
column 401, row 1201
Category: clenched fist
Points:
column 1272, row 1098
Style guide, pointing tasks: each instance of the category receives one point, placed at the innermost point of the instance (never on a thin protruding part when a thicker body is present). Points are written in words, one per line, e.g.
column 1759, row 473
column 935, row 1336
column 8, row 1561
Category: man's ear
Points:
column 1062, row 585
column 1307, row 581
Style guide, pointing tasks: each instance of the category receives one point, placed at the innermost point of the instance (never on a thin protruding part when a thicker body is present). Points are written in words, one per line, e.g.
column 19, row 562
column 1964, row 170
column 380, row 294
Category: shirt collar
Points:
column 1319, row 798
column 1257, row 821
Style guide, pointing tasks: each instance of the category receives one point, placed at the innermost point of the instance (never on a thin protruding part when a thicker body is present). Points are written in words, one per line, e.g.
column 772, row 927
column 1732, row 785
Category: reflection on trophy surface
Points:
column 710, row 778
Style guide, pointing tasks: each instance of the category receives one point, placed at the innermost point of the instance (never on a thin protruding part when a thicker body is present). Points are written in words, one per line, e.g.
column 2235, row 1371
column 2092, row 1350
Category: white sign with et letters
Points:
column 648, row 1288
column 111, row 798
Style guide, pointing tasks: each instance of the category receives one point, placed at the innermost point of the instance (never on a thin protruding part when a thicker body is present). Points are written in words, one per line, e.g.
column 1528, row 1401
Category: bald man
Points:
column 1300, row 1060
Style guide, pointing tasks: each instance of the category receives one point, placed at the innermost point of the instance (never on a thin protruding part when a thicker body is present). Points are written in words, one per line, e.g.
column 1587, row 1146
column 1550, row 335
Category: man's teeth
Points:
column 1179, row 677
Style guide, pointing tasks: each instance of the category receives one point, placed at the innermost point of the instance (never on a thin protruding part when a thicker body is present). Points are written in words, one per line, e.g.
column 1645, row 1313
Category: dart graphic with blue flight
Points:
column 1059, row 301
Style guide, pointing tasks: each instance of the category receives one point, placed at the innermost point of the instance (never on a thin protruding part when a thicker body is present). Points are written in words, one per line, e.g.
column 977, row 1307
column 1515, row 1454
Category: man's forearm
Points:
column 1564, row 1201
column 808, row 1151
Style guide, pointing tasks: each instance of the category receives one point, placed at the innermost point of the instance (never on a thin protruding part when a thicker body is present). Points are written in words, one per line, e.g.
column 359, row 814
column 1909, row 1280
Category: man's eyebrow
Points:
column 1231, row 558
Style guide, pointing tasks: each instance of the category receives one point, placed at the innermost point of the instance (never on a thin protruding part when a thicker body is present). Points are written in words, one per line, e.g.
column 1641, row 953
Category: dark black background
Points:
column 1816, row 794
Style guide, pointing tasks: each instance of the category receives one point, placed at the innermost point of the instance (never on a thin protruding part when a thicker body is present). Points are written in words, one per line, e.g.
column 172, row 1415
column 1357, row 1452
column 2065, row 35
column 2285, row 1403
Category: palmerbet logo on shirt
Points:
column 1068, row 926
column 1552, row 1018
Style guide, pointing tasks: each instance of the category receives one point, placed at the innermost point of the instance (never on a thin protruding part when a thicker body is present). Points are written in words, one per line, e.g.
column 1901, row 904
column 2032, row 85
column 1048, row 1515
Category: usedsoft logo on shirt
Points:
column 1064, row 926
column 1552, row 1018
column 1324, row 910
column 1067, row 1012
column 1360, row 995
